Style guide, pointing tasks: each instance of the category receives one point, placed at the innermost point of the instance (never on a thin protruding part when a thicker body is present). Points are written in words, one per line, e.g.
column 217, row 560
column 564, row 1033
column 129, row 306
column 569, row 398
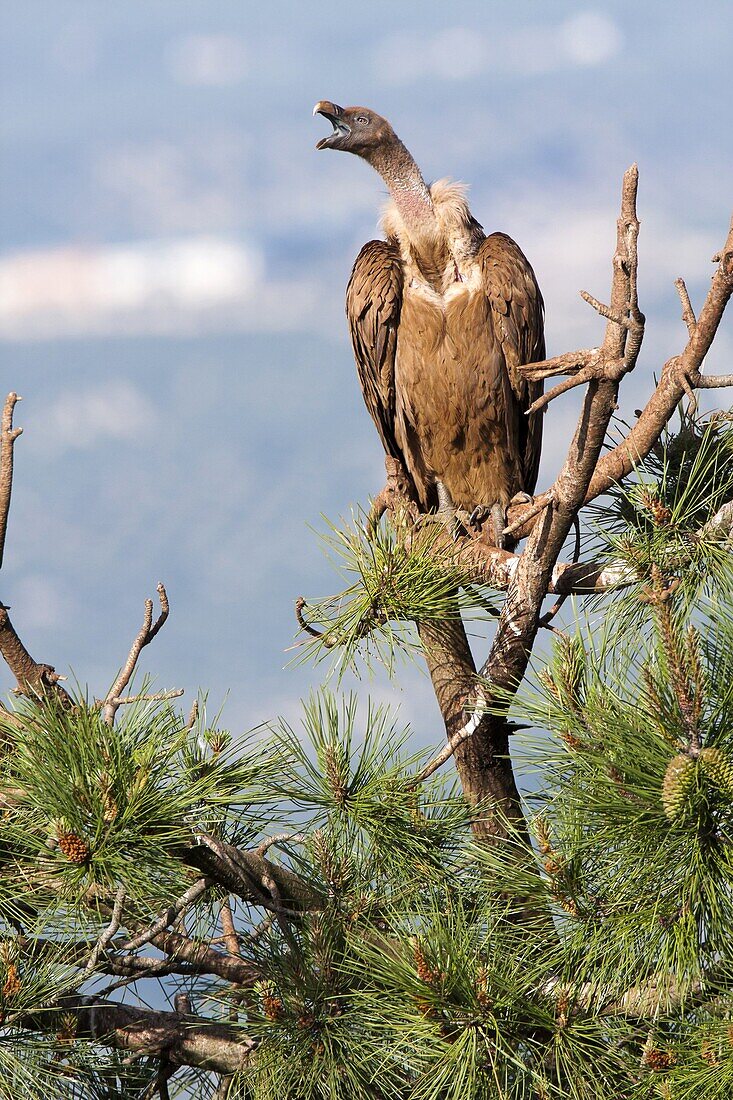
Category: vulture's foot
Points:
column 522, row 498
column 496, row 512
column 455, row 520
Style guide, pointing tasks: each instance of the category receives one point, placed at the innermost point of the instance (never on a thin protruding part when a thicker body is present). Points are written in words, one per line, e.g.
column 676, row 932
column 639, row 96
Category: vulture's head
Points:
column 355, row 129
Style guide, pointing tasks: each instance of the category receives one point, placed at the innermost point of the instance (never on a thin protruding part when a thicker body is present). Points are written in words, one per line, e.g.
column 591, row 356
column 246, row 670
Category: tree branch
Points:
column 482, row 758
column 8, row 436
column 242, row 873
column 34, row 679
column 161, row 923
column 186, row 1040
column 147, row 632
column 680, row 375
column 620, row 461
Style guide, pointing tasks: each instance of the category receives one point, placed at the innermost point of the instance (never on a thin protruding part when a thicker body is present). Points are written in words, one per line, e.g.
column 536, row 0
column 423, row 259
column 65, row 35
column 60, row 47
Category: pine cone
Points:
column 424, row 971
column 659, row 1060
column 109, row 805
column 11, row 986
column 718, row 767
column 482, row 988
column 335, row 773
column 272, row 1006
column 677, row 785
column 74, row 847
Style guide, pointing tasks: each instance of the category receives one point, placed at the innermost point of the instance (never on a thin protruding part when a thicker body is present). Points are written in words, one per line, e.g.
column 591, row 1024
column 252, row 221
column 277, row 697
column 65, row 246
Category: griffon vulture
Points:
column 441, row 317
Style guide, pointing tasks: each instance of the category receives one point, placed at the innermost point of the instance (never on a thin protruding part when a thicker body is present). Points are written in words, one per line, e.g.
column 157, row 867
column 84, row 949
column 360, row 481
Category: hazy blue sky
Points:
column 174, row 256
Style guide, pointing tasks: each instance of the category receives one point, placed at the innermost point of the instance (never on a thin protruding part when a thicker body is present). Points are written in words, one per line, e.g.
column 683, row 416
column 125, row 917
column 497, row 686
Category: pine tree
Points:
column 327, row 913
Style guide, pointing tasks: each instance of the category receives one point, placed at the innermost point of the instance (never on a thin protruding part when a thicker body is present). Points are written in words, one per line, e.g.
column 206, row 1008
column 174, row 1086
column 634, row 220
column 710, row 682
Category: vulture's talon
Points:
column 496, row 512
column 522, row 498
column 479, row 515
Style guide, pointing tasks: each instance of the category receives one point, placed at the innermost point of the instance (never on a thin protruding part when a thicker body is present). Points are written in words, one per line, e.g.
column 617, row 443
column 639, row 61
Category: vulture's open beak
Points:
column 334, row 114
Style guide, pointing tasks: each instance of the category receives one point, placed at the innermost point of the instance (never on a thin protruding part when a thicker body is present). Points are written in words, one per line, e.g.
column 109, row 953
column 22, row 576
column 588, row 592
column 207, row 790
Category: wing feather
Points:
column 518, row 313
column 373, row 305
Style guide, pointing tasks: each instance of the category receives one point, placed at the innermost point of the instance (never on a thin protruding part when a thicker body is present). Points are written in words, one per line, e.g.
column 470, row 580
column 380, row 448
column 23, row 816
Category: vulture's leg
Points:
column 453, row 519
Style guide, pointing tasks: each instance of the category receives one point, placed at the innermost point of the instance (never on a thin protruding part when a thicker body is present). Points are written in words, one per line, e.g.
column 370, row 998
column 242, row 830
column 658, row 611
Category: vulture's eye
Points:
column 362, row 120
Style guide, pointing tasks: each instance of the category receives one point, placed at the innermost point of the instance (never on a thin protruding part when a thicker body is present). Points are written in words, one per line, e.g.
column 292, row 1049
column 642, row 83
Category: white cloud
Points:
column 133, row 288
column 590, row 38
column 209, row 60
column 460, row 53
column 79, row 420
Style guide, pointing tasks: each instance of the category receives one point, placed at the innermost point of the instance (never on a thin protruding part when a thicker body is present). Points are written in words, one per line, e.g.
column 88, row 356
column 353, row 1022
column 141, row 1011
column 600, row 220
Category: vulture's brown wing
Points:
column 518, row 314
column 373, row 303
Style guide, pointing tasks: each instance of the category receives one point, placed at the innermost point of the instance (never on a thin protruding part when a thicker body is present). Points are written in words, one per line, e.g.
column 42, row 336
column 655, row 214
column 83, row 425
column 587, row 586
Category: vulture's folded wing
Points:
column 373, row 303
column 518, row 313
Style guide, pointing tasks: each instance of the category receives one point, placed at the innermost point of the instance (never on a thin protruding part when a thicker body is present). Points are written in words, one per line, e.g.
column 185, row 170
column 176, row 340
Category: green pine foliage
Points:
column 594, row 964
column 392, row 585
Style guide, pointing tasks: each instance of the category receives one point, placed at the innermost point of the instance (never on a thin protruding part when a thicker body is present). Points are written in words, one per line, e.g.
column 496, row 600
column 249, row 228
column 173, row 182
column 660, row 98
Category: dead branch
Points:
column 688, row 313
column 165, row 919
column 153, row 697
column 186, row 1040
column 110, row 931
column 600, row 369
column 145, row 635
column 279, row 838
column 231, row 939
column 8, row 436
column 448, row 749
column 568, row 363
column 33, row 679
column 680, row 375
column 713, row 381
column 241, row 872
column 534, row 510
column 192, row 715
column 304, row 625
column 205, row 960
column 482, row 758
column 620, row 461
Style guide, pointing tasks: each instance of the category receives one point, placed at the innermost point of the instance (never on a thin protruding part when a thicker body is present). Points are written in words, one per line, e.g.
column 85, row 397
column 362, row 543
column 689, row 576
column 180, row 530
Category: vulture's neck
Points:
column 408, row 189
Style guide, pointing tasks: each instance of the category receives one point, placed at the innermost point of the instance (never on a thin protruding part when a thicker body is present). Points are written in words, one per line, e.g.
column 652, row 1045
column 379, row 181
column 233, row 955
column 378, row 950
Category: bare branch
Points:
column 534, row 510
column 204, row 959
column 482, row 759
column 713, row 381
column 8, row 436
column 569, row 363
column 241, row 872
column 305, row 626
column 34, row 679
column 231, row 939
column 546, row 620
column 186, row 1040
column 279, row 838
column 688, row 313
column 721, row 524
column 110, row 931
column 620, row 461
column 161, row 923
column 146, row 634
column 601, row 369
column 154, row 697
column 605, row 311
column 449, row 749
